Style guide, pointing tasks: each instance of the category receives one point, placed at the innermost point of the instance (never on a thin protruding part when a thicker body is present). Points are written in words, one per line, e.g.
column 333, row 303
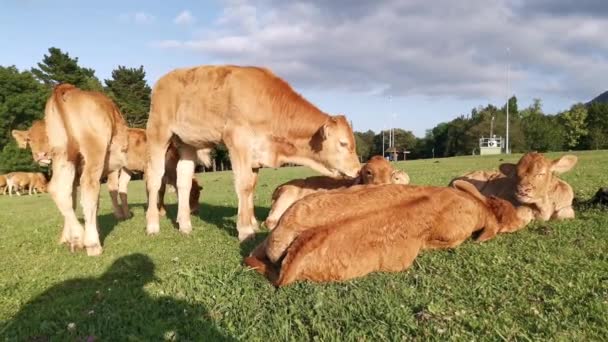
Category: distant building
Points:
column 493, row 145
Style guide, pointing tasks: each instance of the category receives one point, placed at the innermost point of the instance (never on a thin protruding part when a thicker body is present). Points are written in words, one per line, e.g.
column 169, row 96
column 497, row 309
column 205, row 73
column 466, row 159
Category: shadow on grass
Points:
column 111, row 307
column 220, row 216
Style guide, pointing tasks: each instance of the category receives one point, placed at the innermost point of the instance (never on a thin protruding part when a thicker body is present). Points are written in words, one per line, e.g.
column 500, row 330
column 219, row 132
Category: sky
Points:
column 408, row 64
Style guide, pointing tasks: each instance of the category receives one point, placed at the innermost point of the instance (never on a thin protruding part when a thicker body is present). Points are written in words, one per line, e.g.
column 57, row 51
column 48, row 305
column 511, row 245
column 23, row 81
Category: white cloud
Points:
column 184, row 18
column 137, row 17
column 415, row 47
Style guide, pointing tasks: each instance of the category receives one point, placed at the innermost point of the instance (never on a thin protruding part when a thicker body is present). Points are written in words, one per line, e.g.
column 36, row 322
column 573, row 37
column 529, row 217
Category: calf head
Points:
column 376, row 171
column 400, row 177
column 534, row 175
column 37, row 140
column 336, row 149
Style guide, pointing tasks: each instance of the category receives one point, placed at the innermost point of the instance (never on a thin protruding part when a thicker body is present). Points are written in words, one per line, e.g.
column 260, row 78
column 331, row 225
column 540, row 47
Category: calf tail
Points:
column 56, row 123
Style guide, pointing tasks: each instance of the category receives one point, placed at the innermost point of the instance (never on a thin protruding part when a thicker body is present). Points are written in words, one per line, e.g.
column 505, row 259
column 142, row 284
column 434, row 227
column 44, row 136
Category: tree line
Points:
column 23, row 94
column 581, row 127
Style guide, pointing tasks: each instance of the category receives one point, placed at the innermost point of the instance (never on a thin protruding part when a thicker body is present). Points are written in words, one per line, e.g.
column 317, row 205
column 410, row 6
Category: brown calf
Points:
column 531, row 184
column 136, row 162
column 85, row 130
column 343, row 234
column 376, row 171
column 258, row 116
column 35, row 137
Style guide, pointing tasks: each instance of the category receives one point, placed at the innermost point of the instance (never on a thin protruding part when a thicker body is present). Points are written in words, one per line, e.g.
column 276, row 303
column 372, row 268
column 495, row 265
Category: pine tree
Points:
column 59, row 67
column 128, row 88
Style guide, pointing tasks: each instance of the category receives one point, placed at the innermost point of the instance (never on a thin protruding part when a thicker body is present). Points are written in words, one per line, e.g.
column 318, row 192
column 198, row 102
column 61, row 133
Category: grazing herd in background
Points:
column 349, row 222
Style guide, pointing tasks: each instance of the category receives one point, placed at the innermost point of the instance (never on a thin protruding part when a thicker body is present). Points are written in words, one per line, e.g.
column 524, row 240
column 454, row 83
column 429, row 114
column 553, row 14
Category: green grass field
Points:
column 549, row 281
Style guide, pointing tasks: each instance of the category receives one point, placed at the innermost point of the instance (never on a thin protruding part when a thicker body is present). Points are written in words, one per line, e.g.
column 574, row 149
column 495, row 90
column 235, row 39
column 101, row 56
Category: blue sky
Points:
column 434, row 60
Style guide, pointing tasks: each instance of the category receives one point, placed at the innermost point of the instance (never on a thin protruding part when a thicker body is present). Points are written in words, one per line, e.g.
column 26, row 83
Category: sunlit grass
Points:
column 549, row 281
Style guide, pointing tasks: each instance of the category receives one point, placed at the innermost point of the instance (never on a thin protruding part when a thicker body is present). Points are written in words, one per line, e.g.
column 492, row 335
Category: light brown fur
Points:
column 376, row 171
column 347, row 233
column 3, row 184
column 136, row 162
column 259, row 118
column 35, row 137
column 530, row 185
column 34, row 182
column 84, row 129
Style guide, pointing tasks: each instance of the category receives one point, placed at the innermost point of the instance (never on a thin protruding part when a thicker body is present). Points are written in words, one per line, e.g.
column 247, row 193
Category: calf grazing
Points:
column 530, row 183
column 136, row 162
column 33, row 182
column 36, row 138
column 347, row 233
column 85, row 130
column 259, row 118
column 376, row 171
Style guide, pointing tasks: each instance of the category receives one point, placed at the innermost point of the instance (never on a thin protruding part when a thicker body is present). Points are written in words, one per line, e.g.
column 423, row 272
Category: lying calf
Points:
column 343, row 234
column 530, row 185
column 376, row 171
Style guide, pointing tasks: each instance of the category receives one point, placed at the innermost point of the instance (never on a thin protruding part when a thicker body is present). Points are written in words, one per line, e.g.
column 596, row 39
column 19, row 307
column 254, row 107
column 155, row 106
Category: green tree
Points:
column 543, row 133
column 12, row 158
column 513, row 108
column 128, row 88
column 22, row 101
column 574, row 121
column 59, row 67
column 597, row 123
column 365, row 144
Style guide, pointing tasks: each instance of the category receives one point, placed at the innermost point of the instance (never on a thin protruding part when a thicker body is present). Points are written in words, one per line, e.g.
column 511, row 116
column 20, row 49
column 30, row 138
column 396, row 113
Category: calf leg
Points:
column 185, row 171
column 113, row 189
column 123, row 184
column 278, row 208
column 157, row 147
column 244, row 181
column 161, row 198
column 89, row 183
column 564, row 213
column 62, row 190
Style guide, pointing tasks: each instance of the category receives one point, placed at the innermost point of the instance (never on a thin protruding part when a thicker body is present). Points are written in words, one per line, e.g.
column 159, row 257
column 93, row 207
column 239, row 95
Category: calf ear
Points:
column 22, row 137
column 507, row 169
column 327, row 127
column 564, row 164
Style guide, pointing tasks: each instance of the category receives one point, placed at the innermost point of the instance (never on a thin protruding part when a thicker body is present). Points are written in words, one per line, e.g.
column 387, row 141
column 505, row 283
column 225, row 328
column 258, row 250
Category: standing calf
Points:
column 258, row 116
column 85, row 131
column 36, row 138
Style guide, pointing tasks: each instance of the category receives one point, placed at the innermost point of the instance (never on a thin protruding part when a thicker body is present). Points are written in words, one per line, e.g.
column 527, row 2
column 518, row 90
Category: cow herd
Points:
column 349, row 222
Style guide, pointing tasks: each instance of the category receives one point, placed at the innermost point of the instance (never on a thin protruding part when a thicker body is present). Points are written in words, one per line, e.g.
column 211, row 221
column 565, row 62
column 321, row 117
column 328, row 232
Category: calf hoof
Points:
column 152, row 229
column 119, row 217
column 94, row 250
column 246, row 233
column 185, row 229
column 185, row 225
column 75, row 245
column 162, row 212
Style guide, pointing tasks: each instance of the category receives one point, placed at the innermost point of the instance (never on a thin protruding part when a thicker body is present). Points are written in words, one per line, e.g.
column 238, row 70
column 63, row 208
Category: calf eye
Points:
column 343, row 143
